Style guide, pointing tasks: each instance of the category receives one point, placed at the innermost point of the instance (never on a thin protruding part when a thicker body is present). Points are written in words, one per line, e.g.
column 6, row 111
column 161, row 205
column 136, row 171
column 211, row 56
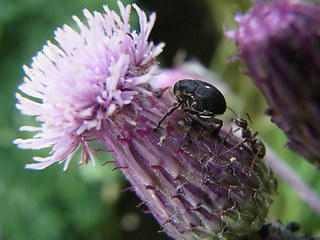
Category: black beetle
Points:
column 197, row 98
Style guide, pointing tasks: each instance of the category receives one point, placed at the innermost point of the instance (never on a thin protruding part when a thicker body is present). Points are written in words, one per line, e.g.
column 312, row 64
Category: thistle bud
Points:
column 203, row 189
column 97, row 86
column 279, row 43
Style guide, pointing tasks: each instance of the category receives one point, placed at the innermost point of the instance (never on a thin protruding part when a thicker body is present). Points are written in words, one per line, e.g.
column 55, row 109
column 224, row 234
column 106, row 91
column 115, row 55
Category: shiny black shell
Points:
column 200, row 96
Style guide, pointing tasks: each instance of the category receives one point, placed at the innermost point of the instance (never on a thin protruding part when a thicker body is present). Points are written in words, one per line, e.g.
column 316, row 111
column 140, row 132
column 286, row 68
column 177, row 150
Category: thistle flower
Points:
column 97, row 86
column 279, row 44
column 84, row 81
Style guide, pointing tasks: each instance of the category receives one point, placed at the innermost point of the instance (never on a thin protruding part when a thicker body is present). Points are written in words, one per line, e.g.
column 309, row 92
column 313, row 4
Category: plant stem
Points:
column 293, row 179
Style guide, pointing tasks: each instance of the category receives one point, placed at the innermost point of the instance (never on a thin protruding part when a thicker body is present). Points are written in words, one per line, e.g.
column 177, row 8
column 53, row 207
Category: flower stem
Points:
column 293, row 179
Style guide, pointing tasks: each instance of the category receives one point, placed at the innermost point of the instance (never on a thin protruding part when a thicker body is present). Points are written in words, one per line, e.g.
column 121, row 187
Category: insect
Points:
column 250, row 139
column 254, row 143
column 197, row 98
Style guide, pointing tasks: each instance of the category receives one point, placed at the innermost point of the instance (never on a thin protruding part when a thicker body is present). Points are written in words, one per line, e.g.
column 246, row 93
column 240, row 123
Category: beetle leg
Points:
column 219, row 122
column 213, row 120
column 190, row 122
column 170, row 111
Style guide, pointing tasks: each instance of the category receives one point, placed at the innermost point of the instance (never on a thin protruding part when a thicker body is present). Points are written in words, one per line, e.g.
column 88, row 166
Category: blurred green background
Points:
column 87, row 202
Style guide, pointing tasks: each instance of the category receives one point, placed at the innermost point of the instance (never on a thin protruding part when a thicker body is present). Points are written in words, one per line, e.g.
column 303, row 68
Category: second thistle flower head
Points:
column 279, row 43
column 75, row 86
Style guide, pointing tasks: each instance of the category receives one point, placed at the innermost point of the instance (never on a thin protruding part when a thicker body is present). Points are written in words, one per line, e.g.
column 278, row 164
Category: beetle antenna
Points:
column 233, row 111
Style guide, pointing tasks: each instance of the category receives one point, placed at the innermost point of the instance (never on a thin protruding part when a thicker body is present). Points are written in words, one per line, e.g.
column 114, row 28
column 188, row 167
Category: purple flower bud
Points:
column 198, row 190
column 97, row 86
column 279, row 42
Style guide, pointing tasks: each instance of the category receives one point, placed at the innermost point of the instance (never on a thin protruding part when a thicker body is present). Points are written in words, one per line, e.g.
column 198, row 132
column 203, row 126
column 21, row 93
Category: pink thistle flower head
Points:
column 83, row 80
